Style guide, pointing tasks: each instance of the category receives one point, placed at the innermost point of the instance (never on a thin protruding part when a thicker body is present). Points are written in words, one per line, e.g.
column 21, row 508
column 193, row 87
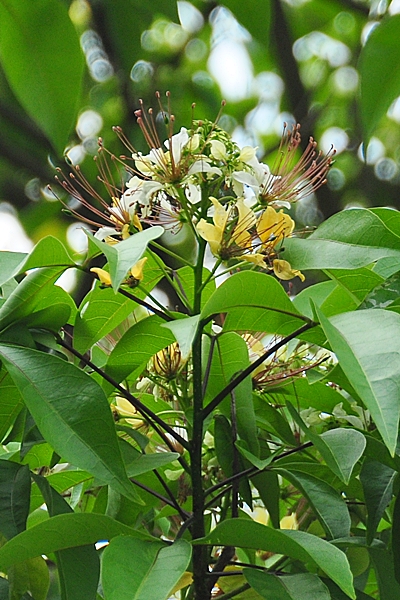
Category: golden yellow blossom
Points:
column 224, row 243
column 137, row 269
column 103, row 276
column 273, row 226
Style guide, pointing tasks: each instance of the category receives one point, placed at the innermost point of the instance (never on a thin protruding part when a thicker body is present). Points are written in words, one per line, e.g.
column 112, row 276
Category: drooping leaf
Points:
column 100, row 313
column 147, row 462
column 377, row 481
column 63, row 531
column 133, row 569
column 380, row 79
column 367, row 343
column 295, row 544
column 45, row 72
column 329, row 507
column 15, row 485
column 71, row 411
column 123, row 256
column 302, row 586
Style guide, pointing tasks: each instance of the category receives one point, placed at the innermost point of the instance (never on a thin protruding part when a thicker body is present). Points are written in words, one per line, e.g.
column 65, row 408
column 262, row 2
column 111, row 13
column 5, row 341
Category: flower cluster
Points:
column 199, row 179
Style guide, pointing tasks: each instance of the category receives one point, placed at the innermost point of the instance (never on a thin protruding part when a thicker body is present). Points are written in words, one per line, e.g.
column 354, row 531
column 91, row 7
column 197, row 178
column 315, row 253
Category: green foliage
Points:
column 199, row 410
column 44, row 35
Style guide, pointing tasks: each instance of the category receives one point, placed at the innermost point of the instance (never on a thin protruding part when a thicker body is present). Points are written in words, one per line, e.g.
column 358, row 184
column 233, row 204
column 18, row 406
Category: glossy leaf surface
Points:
column 133, row 569
column 296, row 544
column 78, row 424
column 60, row 532
column 367, row 346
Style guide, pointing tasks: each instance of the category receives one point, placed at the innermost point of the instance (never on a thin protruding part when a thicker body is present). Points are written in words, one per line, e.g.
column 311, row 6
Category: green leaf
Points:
column 142, row 341
column 60, row 532
column 28, row 295
column 60, row 482
column 184, row 331
column 358, row 282
column 136, row 570
column 327, row 504
column 9, row 265
column 383, row 563
column 396, row 538
column 380, row 78
column 186, row 285
column 224, row 450
column 350, row 239
column 48, row 252
column 301, row 392
column 78, row 568
column 337, row 594
column 15, row 486
column 377, row 481
column 101, row 312
column 71, row 412
column 367, row 343
column 229, row 358
column 11, row 402
column 295, row 544
column 149, row 462
column 303, row 586
column 340, row 448
column 308, row 254
column 384, row 295
column 29, row 576
column 362, row 227
column 270, row 418
column 41, row 57
column 123, row 256
column 254, row 302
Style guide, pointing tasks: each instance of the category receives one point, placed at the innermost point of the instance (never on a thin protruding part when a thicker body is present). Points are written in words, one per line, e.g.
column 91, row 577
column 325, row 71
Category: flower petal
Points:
column 283, row 270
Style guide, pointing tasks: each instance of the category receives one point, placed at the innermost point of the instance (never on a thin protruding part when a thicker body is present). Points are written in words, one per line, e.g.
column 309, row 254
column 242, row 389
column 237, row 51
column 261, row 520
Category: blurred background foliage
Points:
column 70, row 70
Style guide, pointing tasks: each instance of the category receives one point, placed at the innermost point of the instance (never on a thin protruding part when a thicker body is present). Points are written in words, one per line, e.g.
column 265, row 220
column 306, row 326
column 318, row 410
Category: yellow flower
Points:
column 103, row 276
column 224, row 243
column 213, row 234
column 137, row 269
column 273, row 226
column 125, row 410
column 168, row 362
column 136, row 272
column 283, row 270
